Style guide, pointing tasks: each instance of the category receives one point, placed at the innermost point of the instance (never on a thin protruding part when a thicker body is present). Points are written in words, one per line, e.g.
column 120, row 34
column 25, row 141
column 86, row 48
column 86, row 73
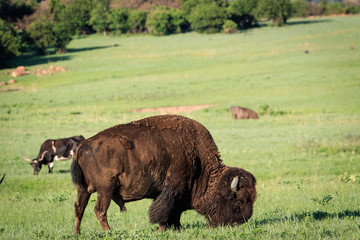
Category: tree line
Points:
column 41, row 25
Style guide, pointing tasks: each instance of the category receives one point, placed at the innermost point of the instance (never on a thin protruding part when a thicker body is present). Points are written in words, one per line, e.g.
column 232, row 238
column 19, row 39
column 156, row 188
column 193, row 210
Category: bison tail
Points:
column 77, row 173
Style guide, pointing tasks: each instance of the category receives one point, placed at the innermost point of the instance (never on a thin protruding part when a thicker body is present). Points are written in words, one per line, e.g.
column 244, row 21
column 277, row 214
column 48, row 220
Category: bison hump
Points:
column 126, row 143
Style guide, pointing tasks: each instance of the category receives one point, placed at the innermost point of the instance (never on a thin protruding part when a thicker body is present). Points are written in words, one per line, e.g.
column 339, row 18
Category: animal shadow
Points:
column 315, row 215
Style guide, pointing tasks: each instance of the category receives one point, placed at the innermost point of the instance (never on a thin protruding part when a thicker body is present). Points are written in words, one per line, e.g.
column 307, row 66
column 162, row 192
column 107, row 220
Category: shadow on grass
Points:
column 74, row 50
column 305, row 21
column 64, row 171
column 30, row 58
column 316, row 215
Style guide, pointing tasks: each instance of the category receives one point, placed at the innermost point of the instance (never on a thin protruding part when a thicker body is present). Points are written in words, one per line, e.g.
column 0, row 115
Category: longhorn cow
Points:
column 54, row 150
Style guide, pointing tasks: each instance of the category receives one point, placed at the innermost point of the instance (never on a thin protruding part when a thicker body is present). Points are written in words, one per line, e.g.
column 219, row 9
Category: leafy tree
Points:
column 323, row 7
column 119, row 20
column 242, row 12
column 180, row 22
column 56, row 9
column 62, row 37
column 137, row 21
column 278, row 11
column 100, row 18
column 10, row 43
column 12, row 10
column 77, row 15
column 300, row 8
column 160, row 21
column 42, row 34
column 207, row 17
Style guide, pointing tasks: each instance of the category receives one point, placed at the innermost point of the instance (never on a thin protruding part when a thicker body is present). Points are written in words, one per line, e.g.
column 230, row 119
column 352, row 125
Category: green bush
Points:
column 300, row 8
column 180, row 22
column 242, row 12
column 42, row 34
column 278, row 11
column 119, row 20
column 160, row 22
column 137, row 21
column 62, row 37
column 230, row 26
column 335, row 8
column 99, row 19
column 352, row 10
column 10, row 42
column 207, row 17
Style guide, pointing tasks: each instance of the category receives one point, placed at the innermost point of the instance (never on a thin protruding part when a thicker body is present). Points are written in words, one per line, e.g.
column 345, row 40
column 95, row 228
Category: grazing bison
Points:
column 50, row 150
column 171, row 159
column 243, row 113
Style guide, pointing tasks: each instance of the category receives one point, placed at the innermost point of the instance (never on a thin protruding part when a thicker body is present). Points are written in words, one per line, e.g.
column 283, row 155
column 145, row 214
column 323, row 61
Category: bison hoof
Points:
column 161, row 228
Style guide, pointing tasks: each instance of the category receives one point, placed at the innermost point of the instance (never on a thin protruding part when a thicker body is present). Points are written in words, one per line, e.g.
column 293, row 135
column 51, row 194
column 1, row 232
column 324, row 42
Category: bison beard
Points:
column 171, row 159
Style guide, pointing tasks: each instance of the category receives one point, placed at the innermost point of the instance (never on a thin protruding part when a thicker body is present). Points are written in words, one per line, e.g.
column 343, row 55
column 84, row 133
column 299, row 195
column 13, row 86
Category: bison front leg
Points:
column 101, row 207
column 119, row 201
column 166, row 210
column 80, row 205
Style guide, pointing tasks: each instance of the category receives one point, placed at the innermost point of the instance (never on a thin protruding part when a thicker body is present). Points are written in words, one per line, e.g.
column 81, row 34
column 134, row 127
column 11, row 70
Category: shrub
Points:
column 207, row 17
column 99, row 19
column 300, row 8
column 10, row 43
column 278, row 11
column 180, row 22
column 230, row 26
column 42, row 34
column 137, row 21
column 62, row 37
column 352, row 10
column 160, row 22
column 119, row 20
column 335, row 8
column 242, row 12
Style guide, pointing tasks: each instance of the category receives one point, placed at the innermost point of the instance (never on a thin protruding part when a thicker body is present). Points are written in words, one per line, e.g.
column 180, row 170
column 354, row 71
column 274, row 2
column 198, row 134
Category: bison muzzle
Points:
column 171, row 159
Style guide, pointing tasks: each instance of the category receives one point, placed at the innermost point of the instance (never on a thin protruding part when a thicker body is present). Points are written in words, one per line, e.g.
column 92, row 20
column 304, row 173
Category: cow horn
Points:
column 26, row 159
column 234, row 183
column 2, row 178
column 42, row 156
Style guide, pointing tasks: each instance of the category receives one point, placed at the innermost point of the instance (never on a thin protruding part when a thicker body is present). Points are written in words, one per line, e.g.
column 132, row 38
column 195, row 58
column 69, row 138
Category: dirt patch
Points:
column 173, row 110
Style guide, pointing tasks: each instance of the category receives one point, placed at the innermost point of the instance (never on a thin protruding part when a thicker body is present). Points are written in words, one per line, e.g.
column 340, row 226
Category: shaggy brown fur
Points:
column 171, row 159
column 243, row 113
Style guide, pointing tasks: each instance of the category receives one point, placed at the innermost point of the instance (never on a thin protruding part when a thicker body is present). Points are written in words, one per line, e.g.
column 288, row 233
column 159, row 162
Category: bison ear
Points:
column 234, row 184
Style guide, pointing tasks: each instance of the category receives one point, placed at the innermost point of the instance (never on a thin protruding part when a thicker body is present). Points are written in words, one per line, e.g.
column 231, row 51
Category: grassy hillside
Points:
column 303, row 79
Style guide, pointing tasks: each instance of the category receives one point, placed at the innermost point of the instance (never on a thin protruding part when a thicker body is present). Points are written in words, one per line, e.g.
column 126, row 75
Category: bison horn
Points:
column 26, row 159
column 234, row 184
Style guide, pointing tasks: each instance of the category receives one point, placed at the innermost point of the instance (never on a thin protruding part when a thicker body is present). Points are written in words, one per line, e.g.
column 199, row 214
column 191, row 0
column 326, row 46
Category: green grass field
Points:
column 304, row 150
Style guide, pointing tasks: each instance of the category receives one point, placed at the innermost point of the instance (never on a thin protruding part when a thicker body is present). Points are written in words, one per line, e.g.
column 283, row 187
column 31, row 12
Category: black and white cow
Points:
column 54, row 150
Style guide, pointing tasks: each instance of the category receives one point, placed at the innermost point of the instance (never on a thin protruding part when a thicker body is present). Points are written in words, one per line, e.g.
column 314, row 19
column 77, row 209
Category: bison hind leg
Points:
column 164, row 211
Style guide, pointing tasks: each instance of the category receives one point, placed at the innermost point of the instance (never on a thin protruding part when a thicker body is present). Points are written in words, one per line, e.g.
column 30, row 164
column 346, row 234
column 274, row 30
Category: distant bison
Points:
column 243, row 113
column 50, row 150
column 171, row 159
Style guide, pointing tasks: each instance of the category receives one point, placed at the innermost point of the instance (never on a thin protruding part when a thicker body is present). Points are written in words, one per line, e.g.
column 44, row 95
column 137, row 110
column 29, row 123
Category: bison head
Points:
column 234, row 198
column 35, row 163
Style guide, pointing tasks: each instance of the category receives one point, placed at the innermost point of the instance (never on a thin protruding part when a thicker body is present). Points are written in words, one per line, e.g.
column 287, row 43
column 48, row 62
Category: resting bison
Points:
column 171, row 159
column 243, row 113
column 50, row 150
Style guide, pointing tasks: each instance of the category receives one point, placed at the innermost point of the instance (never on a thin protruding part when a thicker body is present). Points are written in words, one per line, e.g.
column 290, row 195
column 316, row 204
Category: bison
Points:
column 50, row 150
column 170, row 159
column 243, row 113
